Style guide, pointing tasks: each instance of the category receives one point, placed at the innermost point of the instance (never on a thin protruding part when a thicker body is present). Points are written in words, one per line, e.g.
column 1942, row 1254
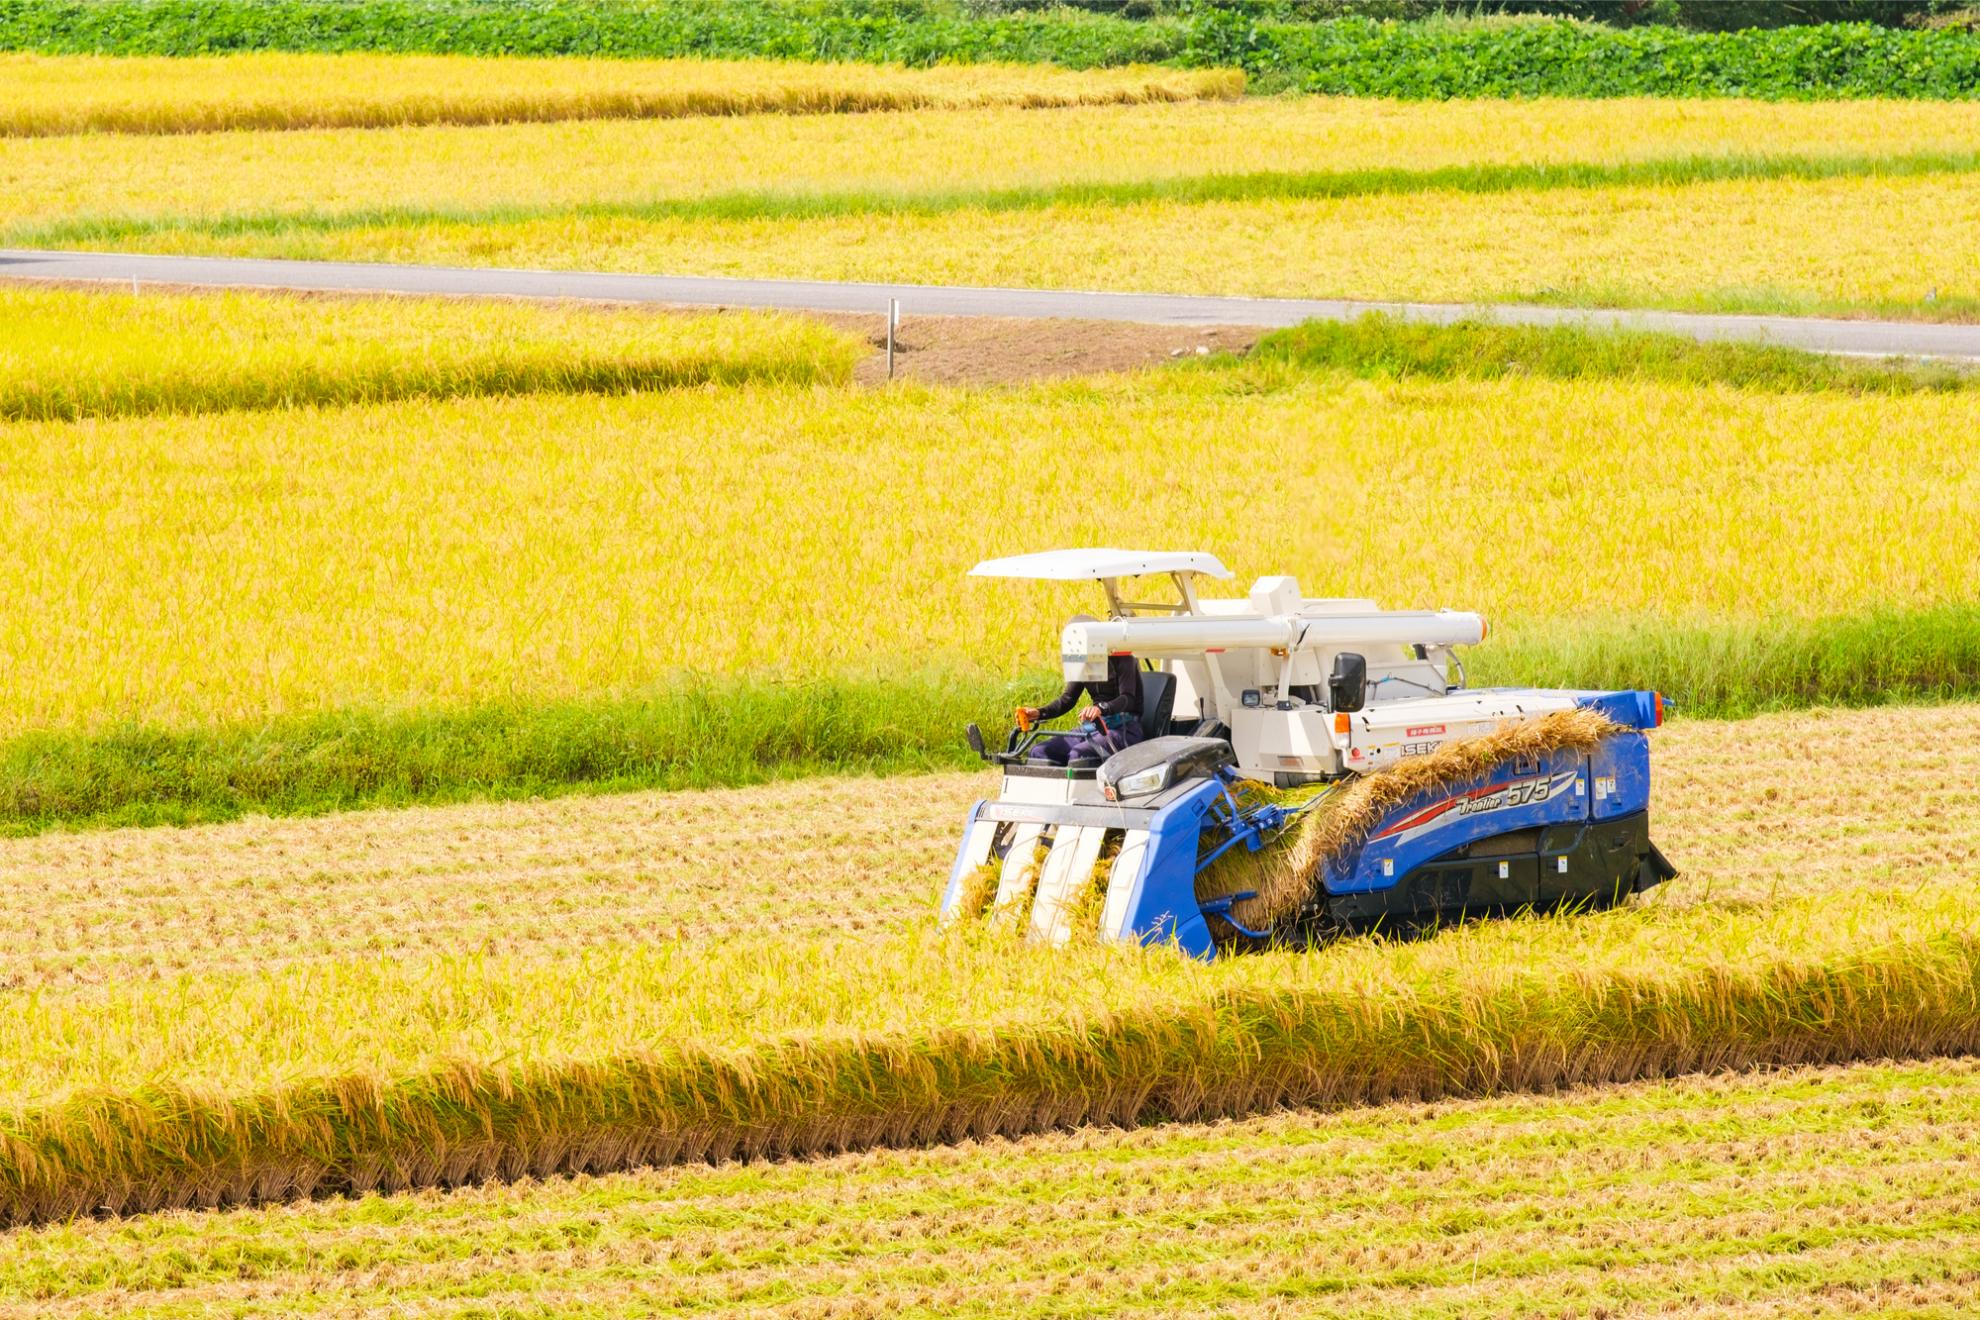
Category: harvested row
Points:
column 207, row 1090
column 220, row 552
column 1750, row 810
column 43, row 95
column 70, row 355
column 1810, row 1193
column 520, row 878
column 84, row 190
column 1893, row 246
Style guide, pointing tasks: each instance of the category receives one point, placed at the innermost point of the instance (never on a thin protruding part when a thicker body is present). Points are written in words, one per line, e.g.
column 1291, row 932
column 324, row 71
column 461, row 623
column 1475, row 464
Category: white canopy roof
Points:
column 1093, row 565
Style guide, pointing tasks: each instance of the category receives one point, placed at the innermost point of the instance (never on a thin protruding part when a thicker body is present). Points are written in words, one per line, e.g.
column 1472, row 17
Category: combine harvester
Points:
column 1278, row 691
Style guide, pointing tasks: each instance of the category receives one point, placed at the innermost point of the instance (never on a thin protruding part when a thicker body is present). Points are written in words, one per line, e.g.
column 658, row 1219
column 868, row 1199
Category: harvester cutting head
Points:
column 1276, row 719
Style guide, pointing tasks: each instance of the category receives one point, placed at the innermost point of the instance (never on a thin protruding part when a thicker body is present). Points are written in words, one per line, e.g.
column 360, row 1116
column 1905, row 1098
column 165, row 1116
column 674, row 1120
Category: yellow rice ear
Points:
column 978, row 888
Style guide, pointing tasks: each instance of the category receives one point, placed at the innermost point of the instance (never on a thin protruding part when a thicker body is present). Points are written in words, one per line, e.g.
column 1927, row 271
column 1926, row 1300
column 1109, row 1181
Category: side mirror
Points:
column 1347, row 686
column 974, row 736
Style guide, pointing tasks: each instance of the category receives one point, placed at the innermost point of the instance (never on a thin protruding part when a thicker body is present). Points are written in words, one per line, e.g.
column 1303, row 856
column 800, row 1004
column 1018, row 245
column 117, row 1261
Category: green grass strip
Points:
column 700, row 734
column 1727, row 670
column 774, row 204
column 1381, row 346
column 706, row 733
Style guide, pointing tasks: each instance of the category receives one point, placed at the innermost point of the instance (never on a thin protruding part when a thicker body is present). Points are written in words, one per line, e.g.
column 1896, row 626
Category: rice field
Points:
column 1336, row 198
column 1895, row 246
column 246, row 1078
column 413, row 550
column 758, row 162
column 69, row 355
column 1811, row 1192
column 359, row 1075
column 1775, row 806
column 246, row 565
column 42, row 95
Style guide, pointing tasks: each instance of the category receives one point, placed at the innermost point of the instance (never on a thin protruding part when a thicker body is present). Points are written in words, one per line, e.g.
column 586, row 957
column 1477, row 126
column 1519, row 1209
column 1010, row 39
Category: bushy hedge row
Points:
column 904, row 31
column 1356, row 56
column 1432, row 60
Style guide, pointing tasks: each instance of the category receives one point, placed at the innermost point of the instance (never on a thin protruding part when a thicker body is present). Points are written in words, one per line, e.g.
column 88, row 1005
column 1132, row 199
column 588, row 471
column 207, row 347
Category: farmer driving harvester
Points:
column 1110, row 721
column 1479, row 800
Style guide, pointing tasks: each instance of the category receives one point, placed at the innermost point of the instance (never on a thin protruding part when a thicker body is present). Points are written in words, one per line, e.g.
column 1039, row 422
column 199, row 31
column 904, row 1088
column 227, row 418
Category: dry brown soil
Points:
column 981, row 350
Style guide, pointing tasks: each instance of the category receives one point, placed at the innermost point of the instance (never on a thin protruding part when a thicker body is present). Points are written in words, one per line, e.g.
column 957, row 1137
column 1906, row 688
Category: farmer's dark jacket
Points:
column 1120, row 694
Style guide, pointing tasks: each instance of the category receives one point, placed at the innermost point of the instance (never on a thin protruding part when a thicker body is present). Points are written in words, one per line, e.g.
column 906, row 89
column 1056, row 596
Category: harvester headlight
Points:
column 1143, row 782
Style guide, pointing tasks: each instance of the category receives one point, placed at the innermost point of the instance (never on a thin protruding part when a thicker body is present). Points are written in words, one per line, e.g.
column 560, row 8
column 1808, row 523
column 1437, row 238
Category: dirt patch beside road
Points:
column 980, row 350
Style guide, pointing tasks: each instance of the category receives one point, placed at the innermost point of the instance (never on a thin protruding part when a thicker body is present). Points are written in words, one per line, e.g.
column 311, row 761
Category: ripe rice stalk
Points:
column 90, row 190
column 42, row 95
column 1891, row 246
column 978, row 888
column 1089, row 896
column 1689, row 1192
column 650, row 1055
column 1282, row 876
column 74, row 354
column 1011, row 916
column 175, row 574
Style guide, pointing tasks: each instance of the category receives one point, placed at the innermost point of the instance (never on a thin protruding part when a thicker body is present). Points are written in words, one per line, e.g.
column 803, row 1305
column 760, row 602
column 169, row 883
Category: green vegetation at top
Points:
column 1276, row 44
column 1358, row 57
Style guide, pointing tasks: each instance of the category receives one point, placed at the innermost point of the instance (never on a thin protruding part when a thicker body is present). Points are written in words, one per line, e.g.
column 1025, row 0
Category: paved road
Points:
column 1871, row 338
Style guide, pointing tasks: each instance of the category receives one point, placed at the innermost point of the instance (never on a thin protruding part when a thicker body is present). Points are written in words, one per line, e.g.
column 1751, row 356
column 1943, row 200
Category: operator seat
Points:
column 1158, row 702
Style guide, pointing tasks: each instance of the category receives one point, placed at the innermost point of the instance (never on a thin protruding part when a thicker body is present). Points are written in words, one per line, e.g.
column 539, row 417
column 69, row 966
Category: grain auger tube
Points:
column 1305, row 765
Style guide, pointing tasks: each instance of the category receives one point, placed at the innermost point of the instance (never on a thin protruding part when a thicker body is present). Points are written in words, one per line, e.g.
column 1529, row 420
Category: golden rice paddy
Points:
column 42, row 94
column 1808, row 1193
column 359, row 1074
column 274, row 1009
column 44, row 181
column 1894, row 243
column 169, row 1084
column 234, row 566
column 70, row 355
column 236, row 1033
